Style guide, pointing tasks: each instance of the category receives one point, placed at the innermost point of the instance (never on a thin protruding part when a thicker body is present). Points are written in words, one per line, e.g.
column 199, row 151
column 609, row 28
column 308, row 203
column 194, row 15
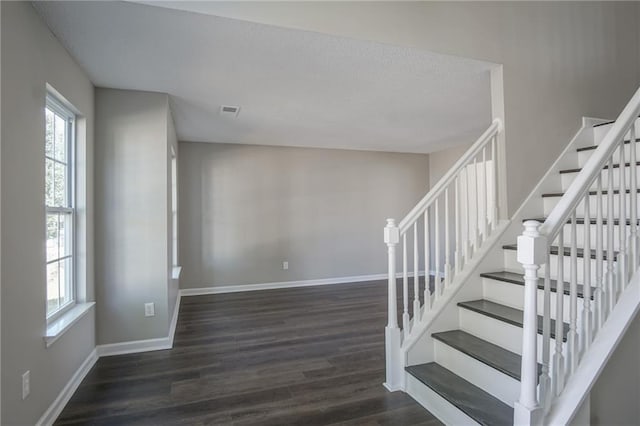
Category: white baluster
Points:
column 416, row 276
column 494, row 157
column 585, row 334
column 545, row 380
column 558, row 359
column 447, row 241
column 458, row 247
column 393, row 359
column 611, row 277
column 485, row 194
column 622, row 254
column 634, row 199
column 427, row 261
column 532, row 249
column 405, row 288
column 599, row 294
column 436, row 288
column 478, row 216
column 468, row 245
column 572, row 337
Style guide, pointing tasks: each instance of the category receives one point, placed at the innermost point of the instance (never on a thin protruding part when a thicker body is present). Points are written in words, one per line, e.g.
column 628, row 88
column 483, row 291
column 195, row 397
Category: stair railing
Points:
column 449, row 225
column 599, row 199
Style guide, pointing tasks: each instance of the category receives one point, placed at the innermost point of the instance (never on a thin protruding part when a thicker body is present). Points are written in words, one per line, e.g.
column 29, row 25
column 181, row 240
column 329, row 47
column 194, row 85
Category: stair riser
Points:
column 497, row 332
column 550, row 203
column 583, row 156
column 567, row 178
column 489, row 379
column 513, row 295
column 599, row 132
column 511, row 264
column 581, row 230
column 435, row 404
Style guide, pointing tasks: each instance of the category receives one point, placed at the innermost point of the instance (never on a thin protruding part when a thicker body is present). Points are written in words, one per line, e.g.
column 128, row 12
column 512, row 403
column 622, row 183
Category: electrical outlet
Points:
column 285, row 265
column 149, row 309
column 26, row 384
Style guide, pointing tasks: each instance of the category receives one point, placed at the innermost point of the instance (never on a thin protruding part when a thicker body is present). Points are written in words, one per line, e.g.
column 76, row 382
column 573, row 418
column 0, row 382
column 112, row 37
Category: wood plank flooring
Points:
column 302, row 356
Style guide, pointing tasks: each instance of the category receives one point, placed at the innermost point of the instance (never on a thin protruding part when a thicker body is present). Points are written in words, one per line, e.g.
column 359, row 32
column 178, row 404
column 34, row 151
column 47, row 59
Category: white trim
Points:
column 134, row 346
column 175, row 272
column 174, row 320
column 289, row 284
column 57, row 327
column 54, row 410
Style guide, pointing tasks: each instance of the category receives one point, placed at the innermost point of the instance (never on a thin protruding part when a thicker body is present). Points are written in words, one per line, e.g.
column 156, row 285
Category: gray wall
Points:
column 614, row 397
column 441, row 161
column 31, row 58
column 245, row 209
column 562, row 60
column 132, row 214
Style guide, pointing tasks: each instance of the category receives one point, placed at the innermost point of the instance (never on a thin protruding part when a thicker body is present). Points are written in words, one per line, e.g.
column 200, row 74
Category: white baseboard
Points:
column 290, row 284
column 134, row 346
column 54, row 410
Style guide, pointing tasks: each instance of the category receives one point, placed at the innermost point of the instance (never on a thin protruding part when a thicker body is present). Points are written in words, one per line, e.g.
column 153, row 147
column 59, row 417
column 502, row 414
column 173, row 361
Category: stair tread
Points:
column 509, row 315
column 518, row 278
column 494, row 356
column 580, row 220
column 566, row 251
column 604, row 192
column 615, row 166
column 591, row 147
column 471, row 400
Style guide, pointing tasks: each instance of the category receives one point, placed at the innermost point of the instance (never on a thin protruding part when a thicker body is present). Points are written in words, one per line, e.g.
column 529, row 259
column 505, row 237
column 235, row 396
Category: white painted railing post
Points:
column 532, row 252
column 393, row 338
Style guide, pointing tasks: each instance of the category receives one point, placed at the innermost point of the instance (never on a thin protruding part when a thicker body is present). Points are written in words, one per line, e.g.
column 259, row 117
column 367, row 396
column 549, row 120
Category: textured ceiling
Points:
column 295, row 88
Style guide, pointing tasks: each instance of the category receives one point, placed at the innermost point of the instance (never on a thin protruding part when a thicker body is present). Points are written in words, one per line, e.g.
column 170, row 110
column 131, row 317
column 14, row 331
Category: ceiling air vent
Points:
column 229, row 110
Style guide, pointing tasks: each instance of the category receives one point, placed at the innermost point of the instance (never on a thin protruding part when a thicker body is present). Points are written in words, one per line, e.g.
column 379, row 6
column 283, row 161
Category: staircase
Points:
column 487, row 343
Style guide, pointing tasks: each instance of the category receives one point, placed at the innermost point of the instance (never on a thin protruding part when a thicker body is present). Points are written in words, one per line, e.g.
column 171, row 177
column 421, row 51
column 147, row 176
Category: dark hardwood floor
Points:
column 303, row 356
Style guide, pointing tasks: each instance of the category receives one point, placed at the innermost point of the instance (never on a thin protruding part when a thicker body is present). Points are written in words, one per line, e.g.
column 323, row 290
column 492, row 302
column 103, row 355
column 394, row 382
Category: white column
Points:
column 532, row 250
column 393, row 339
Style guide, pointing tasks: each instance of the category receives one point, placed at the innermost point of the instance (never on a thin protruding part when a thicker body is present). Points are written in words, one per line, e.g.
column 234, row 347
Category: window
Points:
column 59, row 202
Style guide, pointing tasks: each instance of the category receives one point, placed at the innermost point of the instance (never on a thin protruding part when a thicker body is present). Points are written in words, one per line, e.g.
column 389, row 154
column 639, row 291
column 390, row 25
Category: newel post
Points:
column 532, row 252
column 392, row 332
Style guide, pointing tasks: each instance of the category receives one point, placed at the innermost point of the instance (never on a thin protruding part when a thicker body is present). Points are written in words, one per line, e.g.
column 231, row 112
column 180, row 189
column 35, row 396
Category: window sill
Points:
column 57, row 328
column 175, row 274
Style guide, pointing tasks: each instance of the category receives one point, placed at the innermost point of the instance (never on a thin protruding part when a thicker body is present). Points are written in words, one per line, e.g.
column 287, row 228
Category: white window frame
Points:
column 57, row 107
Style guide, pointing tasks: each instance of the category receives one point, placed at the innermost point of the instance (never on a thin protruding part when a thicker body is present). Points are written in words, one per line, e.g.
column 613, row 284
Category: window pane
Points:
column 49, row 182
column 66, row 273
column 60, row 185
column 52, row 236
column 53, row 290
column 65, row 243
column 48, row 115
column 60, row 149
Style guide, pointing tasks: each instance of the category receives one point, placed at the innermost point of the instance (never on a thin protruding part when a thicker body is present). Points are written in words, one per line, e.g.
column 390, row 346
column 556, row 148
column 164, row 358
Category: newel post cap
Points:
column 532, row 247
column 391, row 233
